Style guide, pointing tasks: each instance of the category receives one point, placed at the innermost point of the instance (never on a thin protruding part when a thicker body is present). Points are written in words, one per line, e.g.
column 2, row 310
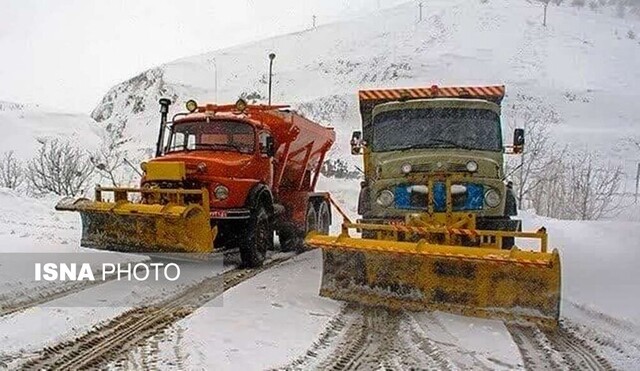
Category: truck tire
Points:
column 293, row 239
column 259, row 239
column 509, row 242
column 323, row 217
column 312, row 219
column 290, row 240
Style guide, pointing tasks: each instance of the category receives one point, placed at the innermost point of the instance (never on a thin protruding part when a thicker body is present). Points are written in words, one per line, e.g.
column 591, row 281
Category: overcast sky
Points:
column 65, row 54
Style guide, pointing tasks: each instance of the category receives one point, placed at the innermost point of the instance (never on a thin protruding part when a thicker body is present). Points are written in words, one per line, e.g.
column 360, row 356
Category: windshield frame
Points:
column 170, row 148
column 444, row 143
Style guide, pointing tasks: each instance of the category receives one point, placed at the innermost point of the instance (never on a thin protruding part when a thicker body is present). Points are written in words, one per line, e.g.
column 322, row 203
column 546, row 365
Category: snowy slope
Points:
column 578, row 64
column 25, row 126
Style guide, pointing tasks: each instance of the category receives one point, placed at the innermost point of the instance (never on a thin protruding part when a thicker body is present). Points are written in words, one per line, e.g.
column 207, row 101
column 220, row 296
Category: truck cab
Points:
column 437, row 153
column 226, row 154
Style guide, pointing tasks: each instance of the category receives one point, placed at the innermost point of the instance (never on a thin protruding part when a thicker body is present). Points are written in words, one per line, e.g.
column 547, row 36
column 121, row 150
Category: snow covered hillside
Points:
column 25, row 126
column 579, row 64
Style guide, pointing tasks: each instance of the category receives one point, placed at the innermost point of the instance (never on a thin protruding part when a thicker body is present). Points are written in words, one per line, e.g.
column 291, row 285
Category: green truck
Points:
column 414, row 139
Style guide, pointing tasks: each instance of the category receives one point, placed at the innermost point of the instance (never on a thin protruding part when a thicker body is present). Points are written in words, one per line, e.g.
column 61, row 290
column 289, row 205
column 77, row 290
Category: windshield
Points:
column 437, row 128
column 223, row 135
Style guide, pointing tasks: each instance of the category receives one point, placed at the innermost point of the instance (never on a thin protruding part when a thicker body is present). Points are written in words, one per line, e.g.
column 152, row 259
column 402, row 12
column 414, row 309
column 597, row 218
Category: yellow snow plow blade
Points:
column 478, row 281
column 162, row 221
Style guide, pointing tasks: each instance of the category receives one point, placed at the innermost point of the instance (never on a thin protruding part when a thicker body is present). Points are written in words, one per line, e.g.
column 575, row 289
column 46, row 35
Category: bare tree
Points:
column 528, row 171
column 593, row 187
column 548, row 198
column 109, row 158
column 59, row 168
column 545, row 5
column 11, row 171
column 632, row 142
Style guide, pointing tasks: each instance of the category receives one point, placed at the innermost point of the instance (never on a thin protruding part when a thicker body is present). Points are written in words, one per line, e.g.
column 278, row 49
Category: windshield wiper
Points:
column 177, row 148
column 234, row 146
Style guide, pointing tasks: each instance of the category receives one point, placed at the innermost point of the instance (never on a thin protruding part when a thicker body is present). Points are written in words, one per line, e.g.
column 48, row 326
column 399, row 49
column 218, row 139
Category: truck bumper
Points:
column 230, row 214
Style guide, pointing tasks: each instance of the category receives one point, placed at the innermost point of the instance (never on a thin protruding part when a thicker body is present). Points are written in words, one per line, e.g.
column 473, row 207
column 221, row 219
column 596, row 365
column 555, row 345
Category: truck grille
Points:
column 414, row 197
column 444, row 166
column 187, row 184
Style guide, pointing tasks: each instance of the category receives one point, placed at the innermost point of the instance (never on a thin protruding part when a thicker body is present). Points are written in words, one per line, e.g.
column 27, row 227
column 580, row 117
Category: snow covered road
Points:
column 276, row 320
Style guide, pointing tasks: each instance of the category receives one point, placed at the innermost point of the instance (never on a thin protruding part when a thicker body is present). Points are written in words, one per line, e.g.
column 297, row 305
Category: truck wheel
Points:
column 509, row 242
column 293, row 239
column 258, row 240
column 290, row 240
column 324, row 218
column 311, row 219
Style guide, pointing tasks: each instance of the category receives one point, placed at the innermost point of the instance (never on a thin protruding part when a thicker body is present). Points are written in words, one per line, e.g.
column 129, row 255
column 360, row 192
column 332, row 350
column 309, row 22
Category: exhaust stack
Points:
column 164, row 111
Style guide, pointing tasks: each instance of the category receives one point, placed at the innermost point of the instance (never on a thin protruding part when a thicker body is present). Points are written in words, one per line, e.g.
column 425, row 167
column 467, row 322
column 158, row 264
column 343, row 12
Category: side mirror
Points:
column 270, row 147
column 518, row 140
column 356, row 143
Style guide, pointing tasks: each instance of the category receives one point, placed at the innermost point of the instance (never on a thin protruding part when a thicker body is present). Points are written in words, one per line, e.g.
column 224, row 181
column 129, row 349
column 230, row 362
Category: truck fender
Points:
column 260, row 193
column 511, row 205
column 363, row 199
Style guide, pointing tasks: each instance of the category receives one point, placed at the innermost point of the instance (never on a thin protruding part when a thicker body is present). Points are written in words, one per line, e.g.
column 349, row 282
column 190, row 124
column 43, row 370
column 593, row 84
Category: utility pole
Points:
column 314, row 21
column 215, row 78
column 637, row 182
column 272, row 56
column 420, row 6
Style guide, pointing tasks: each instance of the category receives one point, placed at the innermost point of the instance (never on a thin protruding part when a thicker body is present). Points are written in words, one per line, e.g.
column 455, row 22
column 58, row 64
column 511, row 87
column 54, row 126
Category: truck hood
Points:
column 389, row 164
column 219, row 163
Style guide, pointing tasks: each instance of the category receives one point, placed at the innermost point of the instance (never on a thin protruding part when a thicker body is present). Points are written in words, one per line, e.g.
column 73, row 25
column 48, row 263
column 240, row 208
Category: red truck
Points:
column 223, row 176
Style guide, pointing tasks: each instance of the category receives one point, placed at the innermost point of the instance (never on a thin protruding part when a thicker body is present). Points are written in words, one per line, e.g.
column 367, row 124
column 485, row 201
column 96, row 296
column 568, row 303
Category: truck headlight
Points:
column 385, row 198
column 406, row 168
column 221, row 192
column 492, row 198
column 472, row 166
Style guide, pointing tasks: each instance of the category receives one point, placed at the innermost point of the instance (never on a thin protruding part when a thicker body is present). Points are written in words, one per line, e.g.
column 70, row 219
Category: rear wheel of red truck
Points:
column 292, row 239
column 324, row 217
column 259, row 239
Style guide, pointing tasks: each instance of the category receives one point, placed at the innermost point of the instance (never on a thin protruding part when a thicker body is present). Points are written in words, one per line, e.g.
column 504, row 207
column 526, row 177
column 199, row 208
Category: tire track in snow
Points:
column 536, row 353
column 362, row 337
column 49, row 294
column 333, row 329
column 9, row 307
column 126, row 331
column 428, row 348
column 576, row 350
column 556, row 348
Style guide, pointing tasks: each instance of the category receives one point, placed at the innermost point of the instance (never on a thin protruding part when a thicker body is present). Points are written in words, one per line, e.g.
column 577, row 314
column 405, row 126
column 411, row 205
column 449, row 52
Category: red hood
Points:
column 219, row 163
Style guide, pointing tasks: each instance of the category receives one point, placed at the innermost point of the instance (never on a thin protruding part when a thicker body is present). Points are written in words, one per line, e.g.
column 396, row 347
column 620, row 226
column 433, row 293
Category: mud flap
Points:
column 484, row 282
column 133, row 227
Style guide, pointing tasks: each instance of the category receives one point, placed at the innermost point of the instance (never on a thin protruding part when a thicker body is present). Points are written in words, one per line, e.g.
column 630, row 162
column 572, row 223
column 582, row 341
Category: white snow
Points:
column 72, row 315
column 600, row 261
column 577, row 64
column 264, row 322
column 25, row 126
column 468, row 340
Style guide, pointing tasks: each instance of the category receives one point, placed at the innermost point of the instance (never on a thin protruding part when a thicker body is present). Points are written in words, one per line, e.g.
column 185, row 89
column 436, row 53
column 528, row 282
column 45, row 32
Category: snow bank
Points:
column 600, row 261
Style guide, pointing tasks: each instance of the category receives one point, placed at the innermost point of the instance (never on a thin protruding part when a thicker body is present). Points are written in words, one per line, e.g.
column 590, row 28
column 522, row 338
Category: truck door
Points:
column 264, row 137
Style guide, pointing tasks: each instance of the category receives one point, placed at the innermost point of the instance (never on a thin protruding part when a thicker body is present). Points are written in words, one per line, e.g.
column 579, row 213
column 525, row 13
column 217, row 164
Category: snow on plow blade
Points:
column 122, row 225
column 476, row 281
